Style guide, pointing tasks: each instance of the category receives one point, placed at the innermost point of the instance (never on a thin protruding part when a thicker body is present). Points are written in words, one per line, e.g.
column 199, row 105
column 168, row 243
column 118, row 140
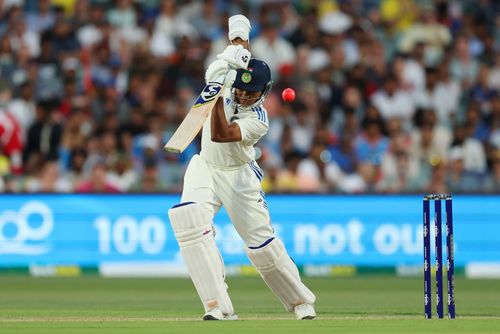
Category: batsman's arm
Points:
column 222, row 131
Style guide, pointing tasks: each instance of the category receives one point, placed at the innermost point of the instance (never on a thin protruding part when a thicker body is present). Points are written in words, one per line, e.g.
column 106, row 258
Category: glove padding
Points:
column 239, row 26
column 236, row 56
column 220, row 72
column 216, row 71
column 230, row 77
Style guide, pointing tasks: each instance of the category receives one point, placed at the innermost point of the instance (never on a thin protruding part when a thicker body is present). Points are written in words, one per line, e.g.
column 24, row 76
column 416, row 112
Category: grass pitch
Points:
column 367, row 304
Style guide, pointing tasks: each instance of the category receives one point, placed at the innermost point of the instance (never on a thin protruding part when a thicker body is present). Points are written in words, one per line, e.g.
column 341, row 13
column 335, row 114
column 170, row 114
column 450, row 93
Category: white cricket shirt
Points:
column 253, row 123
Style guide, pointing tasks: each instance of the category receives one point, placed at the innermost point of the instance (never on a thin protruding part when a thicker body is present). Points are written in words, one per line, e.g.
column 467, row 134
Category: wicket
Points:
column 439, row 255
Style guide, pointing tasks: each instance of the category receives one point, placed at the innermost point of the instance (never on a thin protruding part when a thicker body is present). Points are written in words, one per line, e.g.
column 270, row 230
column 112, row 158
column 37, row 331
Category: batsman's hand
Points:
column 236, row 56
column 216, row 71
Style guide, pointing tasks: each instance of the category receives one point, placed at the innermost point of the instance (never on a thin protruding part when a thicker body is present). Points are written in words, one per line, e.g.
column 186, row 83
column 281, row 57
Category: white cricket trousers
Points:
column 238, row 189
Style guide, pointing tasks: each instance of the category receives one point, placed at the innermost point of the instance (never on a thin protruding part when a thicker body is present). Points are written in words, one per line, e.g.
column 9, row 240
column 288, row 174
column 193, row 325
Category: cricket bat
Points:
column 194, row 120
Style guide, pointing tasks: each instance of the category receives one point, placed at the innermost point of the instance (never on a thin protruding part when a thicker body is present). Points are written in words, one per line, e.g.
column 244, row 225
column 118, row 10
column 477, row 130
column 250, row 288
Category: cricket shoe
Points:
column 304, row 312
column 216, row 314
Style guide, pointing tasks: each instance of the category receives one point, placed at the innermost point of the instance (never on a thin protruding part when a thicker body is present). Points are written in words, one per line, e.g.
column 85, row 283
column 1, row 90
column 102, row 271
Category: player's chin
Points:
column 246, row 102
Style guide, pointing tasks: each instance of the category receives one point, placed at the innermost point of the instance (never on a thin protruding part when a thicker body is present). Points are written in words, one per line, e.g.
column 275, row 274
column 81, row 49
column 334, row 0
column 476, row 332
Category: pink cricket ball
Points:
column 288, row 95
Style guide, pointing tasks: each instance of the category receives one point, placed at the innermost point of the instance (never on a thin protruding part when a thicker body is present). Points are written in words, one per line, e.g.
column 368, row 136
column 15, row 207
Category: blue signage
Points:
column 381, row 230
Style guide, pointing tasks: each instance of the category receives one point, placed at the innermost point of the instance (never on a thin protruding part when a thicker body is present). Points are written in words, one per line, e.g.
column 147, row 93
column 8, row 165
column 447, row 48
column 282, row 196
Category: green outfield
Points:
column 367, row 304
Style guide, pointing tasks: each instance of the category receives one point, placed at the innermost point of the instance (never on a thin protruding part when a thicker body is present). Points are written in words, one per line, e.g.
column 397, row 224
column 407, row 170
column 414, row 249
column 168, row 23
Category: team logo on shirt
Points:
column 246, row 77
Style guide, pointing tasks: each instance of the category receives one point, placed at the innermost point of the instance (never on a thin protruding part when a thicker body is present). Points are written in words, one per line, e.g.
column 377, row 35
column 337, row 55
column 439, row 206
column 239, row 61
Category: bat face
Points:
column 194, row 120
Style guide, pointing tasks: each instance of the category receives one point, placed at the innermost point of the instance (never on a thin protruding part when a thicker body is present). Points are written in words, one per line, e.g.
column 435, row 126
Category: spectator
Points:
column 429, row 31
column 447, row 95
column 492, row 182
column 351, row 110
column 272, row 48
column 123, row 175
column 399, row 170
column 11, row 132
column 64, row 40
column 494, row 73
column 287, row 178
column 43, row 19
column 475, row 122
column 150, row 180
column 301, row 128
column 398, row 173
column 437, row 182
column 474, row 157
column 392, row 101
column 44, row 135
column 21, row 38
column 343, row 153
column 494, row 123
column 463, row 67
column 123, row 15
column 97, row 182
column 398, row 15
column 430, row 141
column 49, row 180
column 168, row 27
column 459, row 179
column 481, row 92
column 23, row 107
column 7, row 59
column 410, row 70
column 371, row 144
column 75, row 173
column 430, row 97
column 317, row 173
column 94, row 29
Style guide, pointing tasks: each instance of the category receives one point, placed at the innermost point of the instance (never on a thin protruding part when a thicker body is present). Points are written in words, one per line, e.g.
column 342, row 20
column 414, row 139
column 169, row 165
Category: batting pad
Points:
column 280, row 274
column 193, row 228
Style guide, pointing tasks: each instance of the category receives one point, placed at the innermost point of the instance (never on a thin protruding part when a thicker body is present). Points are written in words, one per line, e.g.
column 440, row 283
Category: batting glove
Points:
column 230, row 77
column 236, row 56
column 216, row 71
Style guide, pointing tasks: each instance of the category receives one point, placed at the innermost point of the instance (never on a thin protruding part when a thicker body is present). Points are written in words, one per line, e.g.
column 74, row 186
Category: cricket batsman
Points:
column 225, row 173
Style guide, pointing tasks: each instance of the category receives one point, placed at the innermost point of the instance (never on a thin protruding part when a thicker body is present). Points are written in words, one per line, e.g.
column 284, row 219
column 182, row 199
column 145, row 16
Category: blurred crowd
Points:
column 393, row 96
